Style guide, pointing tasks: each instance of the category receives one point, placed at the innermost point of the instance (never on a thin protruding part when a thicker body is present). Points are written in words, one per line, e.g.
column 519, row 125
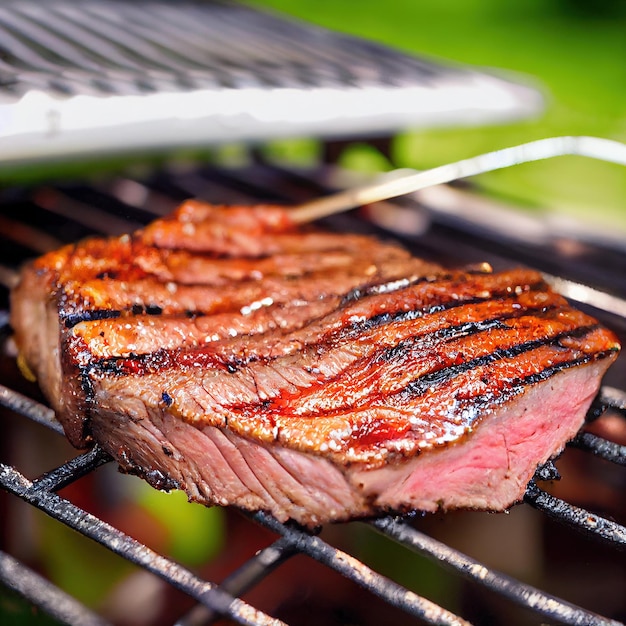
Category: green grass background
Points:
column 575, row 50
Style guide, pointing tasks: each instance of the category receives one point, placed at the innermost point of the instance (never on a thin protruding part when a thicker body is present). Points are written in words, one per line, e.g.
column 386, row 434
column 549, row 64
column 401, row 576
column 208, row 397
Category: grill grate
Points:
column 112, row 47
column 120, row 198
column 85, row 76
column 41, row 494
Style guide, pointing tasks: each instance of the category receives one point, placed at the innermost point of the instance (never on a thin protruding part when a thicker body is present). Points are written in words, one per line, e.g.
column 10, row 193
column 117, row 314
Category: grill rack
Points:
column 84, row 77
column 163, row 191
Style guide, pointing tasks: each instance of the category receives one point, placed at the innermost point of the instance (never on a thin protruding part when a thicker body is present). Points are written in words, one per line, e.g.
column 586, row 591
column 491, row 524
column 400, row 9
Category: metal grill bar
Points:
column 607, row 450
column 525, row 595
column 71, row 471
column 43, row 594
column 65, row 511
column 29, row 408
column 580, row 519
column 347, row 565
column 614, row 399
column 98, row 220
column 247, row 576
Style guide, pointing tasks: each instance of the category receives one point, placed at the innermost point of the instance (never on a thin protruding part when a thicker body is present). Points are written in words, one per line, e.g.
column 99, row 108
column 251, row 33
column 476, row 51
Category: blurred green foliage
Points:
column 195, row 533
column 15, row 611
column 574, row 51
column 191, row 534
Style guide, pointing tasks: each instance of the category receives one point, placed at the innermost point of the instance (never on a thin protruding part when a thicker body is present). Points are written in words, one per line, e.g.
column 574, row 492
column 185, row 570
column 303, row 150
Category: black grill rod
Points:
column 32, row 409
column 600, row 447
column 43, row 594
column 268, row 183
column 577, row 518
column 613, row 398
column 28, row 236
column 242, row 579
column 72, row 470
column 520, row 593
column 128, row 548
column 96, row 219
column 608, row 398
column 356, row 571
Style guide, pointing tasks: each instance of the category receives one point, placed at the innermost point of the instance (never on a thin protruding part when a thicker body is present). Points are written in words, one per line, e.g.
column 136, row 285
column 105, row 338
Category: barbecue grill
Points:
column 570, row 531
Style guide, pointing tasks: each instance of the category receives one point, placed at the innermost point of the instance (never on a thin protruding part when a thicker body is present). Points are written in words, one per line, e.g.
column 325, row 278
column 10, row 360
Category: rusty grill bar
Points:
column 127, row 198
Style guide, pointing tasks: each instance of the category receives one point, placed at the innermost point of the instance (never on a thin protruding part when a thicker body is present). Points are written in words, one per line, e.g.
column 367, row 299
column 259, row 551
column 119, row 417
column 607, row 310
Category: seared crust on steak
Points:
column 319, row 376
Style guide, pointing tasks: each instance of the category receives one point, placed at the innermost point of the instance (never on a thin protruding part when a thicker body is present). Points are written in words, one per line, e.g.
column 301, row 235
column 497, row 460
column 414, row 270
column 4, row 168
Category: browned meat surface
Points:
column 318, row 376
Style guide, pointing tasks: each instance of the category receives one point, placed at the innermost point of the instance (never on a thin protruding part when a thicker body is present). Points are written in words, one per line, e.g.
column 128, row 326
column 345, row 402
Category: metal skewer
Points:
column 592, row 147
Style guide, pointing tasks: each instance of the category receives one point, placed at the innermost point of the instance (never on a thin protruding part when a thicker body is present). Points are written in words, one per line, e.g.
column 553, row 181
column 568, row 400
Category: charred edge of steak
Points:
column 70, row 320
column 91, row 315
column 156, row 478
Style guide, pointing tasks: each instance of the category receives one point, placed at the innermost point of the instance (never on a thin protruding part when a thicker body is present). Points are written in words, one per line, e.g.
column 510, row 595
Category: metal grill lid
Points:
column 87, row 76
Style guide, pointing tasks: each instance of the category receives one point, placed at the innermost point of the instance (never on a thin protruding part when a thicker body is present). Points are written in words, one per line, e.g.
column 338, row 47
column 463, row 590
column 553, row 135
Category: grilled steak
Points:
column 318, row 376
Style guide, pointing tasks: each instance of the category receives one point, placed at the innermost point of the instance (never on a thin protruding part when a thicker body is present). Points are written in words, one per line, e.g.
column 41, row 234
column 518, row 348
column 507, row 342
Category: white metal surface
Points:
column 88, row 77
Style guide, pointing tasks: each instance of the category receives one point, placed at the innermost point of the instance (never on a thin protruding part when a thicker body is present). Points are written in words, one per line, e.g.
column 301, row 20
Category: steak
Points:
column 248, row 361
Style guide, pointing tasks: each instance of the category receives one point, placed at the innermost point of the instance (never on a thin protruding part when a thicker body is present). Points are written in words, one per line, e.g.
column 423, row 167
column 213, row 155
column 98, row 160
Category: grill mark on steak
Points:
column 398, row 418
column 445, row 412
column 421, row 363
column 326, row 319
column 441, row 376
column 467, row 319
column 70, row 320
column 176, row 299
